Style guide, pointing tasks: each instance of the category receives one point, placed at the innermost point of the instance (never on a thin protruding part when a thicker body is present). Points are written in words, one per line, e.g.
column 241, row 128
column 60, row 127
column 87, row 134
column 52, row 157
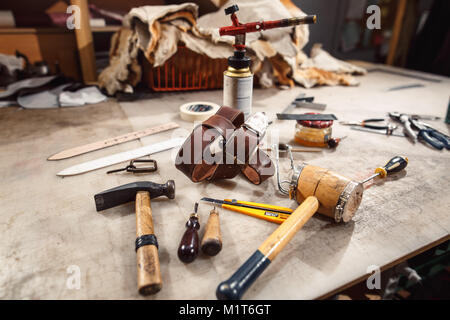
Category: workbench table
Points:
column 50, row 229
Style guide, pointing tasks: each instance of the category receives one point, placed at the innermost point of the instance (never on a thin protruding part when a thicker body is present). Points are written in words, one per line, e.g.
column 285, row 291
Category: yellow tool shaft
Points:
column 256, row 213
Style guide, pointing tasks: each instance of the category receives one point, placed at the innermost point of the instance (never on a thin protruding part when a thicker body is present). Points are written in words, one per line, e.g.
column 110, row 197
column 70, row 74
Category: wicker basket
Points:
column 186, row 71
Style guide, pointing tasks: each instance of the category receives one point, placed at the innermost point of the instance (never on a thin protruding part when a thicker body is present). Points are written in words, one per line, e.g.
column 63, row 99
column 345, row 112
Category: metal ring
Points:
column 343, row 199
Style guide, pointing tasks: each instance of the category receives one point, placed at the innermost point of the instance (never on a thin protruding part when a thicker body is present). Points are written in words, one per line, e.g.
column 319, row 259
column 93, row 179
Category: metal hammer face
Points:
column 127, row 192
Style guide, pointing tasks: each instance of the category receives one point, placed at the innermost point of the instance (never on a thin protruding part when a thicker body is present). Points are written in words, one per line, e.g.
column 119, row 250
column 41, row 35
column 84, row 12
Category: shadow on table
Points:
column 332, row 238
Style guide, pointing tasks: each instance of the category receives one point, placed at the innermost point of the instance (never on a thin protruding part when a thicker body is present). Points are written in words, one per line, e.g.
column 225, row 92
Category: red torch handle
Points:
column 264, row 25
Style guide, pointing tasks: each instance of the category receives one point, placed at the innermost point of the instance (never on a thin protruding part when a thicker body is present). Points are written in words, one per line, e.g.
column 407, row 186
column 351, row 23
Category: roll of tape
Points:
column 198, row 110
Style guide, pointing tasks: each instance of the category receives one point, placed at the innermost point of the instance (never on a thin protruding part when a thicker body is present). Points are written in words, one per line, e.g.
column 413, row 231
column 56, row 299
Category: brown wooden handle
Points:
column 148, row 269
column 188, row 248
column 212, row 239
column 284, row 233
column 242, row 279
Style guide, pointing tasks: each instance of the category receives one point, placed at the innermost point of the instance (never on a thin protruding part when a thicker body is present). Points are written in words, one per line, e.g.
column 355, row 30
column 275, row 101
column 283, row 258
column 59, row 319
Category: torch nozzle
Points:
column 311, row 19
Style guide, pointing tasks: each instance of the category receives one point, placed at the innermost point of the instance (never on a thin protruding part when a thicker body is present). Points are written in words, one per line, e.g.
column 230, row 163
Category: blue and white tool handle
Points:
column 434, row 138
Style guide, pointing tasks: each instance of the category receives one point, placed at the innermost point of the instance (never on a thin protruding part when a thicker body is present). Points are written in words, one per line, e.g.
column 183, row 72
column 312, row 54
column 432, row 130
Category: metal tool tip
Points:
column 170, row 189
column 196, row 207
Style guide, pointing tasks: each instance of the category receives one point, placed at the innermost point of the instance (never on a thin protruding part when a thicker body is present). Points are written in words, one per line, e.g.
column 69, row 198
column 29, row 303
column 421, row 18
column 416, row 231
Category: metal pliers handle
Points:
column 389, row 128
column 405, row 120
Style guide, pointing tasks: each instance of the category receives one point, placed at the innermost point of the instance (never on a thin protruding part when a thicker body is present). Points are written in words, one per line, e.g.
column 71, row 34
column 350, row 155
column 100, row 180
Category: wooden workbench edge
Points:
column 385, row 267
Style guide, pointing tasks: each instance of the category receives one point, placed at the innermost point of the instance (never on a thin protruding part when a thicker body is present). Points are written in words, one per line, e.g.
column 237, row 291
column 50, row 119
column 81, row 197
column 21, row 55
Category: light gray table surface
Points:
column 49, row 224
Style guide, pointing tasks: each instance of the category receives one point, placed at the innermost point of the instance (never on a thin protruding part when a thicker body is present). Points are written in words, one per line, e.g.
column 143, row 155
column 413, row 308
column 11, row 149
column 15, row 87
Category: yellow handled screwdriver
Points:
column 266, row 212
column 396, row 164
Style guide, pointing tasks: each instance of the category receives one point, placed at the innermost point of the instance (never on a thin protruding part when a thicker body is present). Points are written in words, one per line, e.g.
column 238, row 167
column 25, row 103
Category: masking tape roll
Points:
column 198, row 111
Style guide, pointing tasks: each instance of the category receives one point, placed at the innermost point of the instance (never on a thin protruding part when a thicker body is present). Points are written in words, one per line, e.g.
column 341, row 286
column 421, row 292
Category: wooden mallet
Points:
column 317, row 190
column 148, row 270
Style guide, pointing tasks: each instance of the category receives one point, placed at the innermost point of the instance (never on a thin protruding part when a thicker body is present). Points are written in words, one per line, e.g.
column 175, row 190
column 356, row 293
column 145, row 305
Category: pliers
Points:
column 430, row 135
column 404, row 119
column 389, row 128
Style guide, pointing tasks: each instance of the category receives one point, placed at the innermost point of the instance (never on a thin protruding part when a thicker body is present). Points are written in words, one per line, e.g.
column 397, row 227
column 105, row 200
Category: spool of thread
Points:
column 198, row 111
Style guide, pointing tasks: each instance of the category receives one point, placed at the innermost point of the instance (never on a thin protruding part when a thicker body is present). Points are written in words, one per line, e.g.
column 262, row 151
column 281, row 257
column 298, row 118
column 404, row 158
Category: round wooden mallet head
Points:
column 339, row 197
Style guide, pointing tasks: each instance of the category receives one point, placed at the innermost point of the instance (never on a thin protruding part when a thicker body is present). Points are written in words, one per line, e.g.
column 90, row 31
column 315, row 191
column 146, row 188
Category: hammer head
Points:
column 126, row 193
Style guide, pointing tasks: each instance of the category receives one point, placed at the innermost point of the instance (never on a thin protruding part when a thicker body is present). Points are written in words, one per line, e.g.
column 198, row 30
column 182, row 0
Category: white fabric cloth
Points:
column 321, row 59
column 13, row 63
column 88, row 95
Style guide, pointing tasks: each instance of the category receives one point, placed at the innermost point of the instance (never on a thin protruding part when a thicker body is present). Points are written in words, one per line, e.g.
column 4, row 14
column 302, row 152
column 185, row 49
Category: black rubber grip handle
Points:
column 373, row 126
column 396, row 164
column 442, row 138
column 231, row 9
column 373, row 120
column 242, row 279
column 427, row 136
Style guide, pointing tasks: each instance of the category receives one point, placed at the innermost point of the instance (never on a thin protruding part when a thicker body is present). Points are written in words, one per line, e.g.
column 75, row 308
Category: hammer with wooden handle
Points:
column 148, row 269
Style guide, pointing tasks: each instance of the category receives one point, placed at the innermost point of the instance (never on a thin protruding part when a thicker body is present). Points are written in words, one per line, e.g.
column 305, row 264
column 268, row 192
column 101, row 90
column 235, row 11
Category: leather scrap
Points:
column 277, row 55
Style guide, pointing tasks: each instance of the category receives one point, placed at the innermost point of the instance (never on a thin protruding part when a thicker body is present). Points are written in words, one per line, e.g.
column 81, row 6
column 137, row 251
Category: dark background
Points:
column 424, row 41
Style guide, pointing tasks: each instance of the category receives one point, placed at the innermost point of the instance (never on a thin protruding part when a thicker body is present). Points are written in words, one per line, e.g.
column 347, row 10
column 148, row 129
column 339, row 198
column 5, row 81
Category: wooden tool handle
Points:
column 148, row 270
column 241, row 280
column 188, row 248
column 212, row 239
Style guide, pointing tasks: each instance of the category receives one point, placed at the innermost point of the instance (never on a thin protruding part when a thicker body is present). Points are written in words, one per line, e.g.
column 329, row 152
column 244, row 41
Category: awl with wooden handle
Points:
column 212, row 239
column 188, row 248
